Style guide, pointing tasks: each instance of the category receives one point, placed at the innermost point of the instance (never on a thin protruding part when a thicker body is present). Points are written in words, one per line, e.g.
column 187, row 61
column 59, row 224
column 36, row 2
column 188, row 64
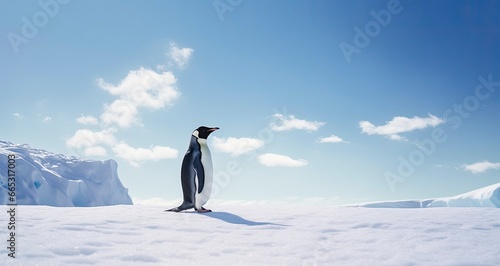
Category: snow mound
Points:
column 45, row 178
column 484, row 197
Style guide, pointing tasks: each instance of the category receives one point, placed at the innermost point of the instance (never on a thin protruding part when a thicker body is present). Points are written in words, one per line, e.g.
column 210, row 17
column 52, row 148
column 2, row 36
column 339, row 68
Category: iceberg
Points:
column 483, row 197
column 46, row 178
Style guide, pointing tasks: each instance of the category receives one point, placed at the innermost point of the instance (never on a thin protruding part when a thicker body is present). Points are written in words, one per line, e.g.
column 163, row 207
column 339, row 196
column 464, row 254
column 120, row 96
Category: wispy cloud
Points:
column 18, row 115
column 480, row 167
column 135, row 156
column 87, row 120
column 180, row 56
column 332, row 139
column 273, row 160
column 47, row 119
column 141, row 88
column 236, row 146
column 284, row 123
column 400, row 124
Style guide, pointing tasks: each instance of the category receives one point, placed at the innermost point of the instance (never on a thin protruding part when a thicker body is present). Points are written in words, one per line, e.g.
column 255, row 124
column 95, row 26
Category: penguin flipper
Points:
column 200, row 173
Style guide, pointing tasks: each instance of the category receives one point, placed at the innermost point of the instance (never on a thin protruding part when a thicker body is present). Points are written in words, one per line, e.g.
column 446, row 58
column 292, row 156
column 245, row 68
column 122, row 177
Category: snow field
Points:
column 255, row 234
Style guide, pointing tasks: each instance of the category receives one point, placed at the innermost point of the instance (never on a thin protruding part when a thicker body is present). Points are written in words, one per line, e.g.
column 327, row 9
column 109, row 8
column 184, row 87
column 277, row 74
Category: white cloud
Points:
column 272, row 160
column 95, row 151
column 122, row 113
column 85, row 138
column 87, row 120
column 481, row 167
column 181, row 56
column 141, row 88
column 397, row 138
column 284, row 123
column 94, row 143
column 400, row 124
column 236, row 146
column 135, row 156
column 47, row 119
column 332, row 139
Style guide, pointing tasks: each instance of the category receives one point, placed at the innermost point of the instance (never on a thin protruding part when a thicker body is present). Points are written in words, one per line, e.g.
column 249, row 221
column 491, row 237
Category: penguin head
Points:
column 203, row 132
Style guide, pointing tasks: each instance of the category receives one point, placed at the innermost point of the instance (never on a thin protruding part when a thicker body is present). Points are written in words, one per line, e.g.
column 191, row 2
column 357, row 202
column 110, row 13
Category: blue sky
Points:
column 408, row 110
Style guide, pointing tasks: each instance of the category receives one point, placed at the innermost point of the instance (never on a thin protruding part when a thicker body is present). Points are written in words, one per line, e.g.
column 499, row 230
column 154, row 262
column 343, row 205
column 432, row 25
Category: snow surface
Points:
column 254, row 234
column 484, row 197
column 52, row 179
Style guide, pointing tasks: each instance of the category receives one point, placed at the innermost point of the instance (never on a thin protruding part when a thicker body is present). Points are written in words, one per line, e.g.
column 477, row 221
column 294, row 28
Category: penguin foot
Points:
column 203, row 210
column 176, row 209
column 182, row 207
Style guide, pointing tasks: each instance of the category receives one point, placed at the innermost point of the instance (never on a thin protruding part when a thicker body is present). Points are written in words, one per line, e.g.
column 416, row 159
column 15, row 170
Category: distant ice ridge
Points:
column 46, row 178
column 484, row 197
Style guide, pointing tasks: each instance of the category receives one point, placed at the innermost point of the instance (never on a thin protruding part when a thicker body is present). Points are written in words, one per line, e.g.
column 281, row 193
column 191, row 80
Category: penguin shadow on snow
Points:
column 235, row 219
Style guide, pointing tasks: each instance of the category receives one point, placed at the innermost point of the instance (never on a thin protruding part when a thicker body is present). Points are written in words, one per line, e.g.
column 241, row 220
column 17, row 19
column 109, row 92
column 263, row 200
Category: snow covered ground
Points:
column 253, row 234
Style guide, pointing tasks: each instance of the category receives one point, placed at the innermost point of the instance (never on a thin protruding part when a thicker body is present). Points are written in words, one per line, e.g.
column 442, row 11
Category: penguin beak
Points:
column 213, row 129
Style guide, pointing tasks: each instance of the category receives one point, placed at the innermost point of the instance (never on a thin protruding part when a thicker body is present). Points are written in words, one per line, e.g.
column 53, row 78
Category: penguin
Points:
column 197, row 172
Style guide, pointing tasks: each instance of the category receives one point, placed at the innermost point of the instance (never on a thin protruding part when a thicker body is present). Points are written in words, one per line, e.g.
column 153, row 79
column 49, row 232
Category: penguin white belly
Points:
column 206, row 161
